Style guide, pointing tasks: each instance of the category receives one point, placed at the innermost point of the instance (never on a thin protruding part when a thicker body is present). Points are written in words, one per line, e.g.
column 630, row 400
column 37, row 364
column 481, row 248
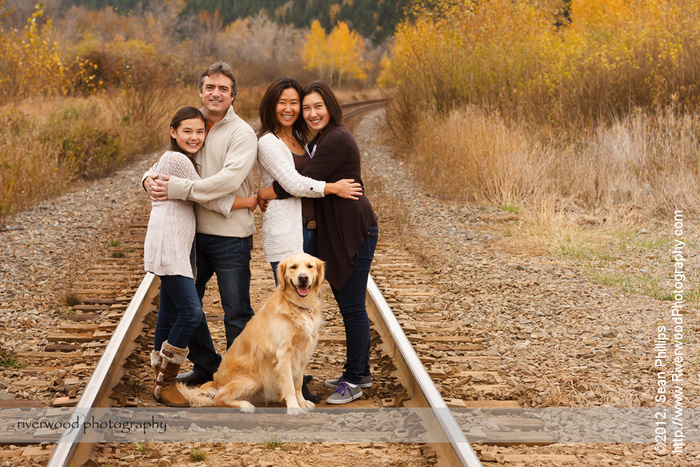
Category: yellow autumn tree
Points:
column 315, row 53
column 31, row 62
column 608, row 57
column 336, row 57
column 346, row 48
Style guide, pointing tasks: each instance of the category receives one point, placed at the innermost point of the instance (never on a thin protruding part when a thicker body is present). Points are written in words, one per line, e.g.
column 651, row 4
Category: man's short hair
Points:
column 222, row 68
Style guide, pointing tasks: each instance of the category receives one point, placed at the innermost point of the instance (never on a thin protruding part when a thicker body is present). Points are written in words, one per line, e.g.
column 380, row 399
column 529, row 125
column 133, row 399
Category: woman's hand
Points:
column 345, row 188
column 261, row 202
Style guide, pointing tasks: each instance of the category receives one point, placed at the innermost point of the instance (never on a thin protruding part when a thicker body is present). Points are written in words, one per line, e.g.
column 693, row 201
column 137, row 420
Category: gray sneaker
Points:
column 344, row 394
column 365, row 382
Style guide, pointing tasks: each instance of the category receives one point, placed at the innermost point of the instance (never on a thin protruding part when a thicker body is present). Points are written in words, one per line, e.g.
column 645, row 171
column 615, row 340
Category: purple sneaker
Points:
column 344, row 394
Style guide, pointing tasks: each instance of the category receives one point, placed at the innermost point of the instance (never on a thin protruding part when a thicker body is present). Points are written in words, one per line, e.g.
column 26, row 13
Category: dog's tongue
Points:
column 303, row 291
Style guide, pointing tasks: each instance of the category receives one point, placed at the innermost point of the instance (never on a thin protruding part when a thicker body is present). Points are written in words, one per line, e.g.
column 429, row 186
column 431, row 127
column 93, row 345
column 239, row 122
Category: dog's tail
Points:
column 198, row 397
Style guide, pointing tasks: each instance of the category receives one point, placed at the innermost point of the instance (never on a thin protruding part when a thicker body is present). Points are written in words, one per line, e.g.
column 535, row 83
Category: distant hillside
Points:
column 373, row 19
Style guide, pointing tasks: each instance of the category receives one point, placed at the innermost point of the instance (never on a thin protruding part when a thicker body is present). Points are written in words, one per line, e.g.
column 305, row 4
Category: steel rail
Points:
column 350, row 105
column 418, row 383
column 358, row 108
column 109, row 371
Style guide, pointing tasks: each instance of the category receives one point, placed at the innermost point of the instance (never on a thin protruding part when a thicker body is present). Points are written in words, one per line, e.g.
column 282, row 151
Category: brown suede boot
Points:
column 155, row 363
column 166, row 389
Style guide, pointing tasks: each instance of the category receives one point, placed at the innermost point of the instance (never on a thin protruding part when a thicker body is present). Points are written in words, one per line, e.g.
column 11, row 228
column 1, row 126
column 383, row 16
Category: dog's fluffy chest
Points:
column 307, row 322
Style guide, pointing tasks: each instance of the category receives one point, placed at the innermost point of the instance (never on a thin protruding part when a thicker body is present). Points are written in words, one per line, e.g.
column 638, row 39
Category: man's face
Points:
column 216, row 95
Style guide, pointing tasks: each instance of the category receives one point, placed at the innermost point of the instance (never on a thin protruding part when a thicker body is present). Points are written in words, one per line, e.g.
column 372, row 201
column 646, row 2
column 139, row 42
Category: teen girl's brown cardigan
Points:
column 342, row 223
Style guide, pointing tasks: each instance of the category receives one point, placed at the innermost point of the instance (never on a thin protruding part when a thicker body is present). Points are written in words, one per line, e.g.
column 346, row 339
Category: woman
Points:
column 347, row 232
column 169, row 253
column 288, row 225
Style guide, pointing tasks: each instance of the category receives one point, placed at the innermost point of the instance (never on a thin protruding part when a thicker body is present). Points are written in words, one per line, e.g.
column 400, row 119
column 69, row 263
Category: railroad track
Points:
column 105, row 386
column 108, row 336
column 355, row 109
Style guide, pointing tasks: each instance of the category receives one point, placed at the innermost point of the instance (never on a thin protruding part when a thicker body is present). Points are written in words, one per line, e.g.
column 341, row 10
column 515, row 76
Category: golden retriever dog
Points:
column 266, row 362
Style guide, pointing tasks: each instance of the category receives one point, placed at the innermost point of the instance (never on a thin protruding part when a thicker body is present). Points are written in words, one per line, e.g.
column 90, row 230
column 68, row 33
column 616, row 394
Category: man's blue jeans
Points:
column 179, row 313
column 229, row 258
column 351, row 302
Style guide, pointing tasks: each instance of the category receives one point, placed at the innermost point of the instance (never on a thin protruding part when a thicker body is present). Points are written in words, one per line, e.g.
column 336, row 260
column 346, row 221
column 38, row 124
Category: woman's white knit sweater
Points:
column 171, row 227
column 282, row 229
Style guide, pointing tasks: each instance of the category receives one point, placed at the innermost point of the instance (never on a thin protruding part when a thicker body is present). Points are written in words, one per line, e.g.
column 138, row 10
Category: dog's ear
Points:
column 281, row 273
column 321, row 268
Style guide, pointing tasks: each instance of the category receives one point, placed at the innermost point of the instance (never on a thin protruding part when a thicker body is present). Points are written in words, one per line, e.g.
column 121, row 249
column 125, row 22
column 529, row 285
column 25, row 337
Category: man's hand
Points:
column 252, row 202
column 157, row 188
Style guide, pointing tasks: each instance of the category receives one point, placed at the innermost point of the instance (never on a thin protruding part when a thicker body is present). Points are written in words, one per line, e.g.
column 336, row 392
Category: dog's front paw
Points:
column 246, row 407
column 307, row 404
column 296, row 411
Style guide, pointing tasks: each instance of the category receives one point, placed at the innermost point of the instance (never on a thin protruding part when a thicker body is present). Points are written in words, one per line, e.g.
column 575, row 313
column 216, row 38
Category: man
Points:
column 223, row 245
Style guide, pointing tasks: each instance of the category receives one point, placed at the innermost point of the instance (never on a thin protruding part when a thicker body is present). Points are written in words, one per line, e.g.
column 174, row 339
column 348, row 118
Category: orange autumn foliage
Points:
column 522, row 58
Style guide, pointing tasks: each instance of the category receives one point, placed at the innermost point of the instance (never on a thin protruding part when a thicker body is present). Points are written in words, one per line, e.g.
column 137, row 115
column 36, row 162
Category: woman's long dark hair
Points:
column 335, row 111
column 268, row 109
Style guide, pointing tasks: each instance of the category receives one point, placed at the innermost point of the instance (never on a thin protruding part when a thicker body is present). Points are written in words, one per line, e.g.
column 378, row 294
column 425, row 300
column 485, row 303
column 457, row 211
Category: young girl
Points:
column 169, row 253
column 347, row 232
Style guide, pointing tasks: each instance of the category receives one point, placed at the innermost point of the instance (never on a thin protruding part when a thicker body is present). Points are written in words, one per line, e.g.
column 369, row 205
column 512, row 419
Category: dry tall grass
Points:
column 52, row 143
column 23, row 178
column 473, row 154
column 496, row 101
column 640, row 162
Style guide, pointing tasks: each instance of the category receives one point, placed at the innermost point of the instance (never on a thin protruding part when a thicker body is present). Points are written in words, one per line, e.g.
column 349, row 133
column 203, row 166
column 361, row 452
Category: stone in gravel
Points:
column 247, row 460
